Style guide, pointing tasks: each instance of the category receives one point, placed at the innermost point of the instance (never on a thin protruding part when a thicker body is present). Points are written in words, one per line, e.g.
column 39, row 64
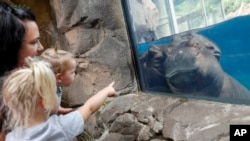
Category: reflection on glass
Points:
column 201, row 13
column 192, row 47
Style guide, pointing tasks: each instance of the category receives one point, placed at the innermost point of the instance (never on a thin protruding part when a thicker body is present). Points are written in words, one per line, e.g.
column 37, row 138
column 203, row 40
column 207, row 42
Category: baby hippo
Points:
column 189, row 65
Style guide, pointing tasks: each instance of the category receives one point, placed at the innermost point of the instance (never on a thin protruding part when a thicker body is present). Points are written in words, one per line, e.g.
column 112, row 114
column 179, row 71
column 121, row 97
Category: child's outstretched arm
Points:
column 64, row 111
column 96, row 101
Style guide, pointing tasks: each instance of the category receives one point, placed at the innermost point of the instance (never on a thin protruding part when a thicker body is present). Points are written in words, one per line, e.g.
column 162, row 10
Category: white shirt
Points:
column 56, row 128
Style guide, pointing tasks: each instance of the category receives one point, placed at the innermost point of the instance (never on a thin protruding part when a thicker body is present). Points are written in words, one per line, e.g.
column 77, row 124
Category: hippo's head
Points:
column 191, row 66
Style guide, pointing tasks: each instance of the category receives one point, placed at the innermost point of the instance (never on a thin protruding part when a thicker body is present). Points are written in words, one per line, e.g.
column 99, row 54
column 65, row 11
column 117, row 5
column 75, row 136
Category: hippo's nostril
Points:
column 217, row 55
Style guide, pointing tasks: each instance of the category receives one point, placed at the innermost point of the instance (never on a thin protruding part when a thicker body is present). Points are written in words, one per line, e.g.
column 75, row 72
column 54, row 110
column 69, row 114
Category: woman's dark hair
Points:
column 12, row 32
column 11, row 35
column 23, row 14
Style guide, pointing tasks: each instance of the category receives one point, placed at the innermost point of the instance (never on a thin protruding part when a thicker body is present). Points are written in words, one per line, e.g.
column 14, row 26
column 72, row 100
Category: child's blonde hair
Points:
column 61, row 60
column 24, row 88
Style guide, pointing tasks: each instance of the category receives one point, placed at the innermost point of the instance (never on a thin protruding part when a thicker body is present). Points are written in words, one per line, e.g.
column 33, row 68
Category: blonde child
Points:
column 64, row 66
column 30, row 96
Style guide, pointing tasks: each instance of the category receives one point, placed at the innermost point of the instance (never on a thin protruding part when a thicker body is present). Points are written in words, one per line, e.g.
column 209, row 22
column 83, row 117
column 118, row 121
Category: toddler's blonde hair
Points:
column 61, row 60
column 23, row 89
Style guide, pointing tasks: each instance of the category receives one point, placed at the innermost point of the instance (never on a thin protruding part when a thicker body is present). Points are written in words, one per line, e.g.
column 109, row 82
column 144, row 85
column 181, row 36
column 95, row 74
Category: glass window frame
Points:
column 138, row 66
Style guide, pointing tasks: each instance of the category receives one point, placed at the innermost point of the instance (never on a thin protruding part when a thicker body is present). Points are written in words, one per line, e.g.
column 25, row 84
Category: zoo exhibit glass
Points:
column 191, row 48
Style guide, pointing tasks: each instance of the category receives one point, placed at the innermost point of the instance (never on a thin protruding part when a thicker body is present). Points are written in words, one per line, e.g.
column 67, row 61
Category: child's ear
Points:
column 58, row 77
column 41, row 103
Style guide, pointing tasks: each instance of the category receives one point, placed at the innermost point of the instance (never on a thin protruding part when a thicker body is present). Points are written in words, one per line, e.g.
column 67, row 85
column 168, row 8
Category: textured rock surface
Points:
column 95, row 33
column 151, row 117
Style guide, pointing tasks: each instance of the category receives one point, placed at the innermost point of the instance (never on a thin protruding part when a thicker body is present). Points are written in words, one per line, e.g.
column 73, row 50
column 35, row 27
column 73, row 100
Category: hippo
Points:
column 190, row 65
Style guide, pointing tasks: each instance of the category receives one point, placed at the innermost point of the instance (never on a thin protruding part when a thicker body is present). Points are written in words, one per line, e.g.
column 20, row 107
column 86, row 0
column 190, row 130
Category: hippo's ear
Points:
column 190, row 36
column 153, row 52
column 154, row 59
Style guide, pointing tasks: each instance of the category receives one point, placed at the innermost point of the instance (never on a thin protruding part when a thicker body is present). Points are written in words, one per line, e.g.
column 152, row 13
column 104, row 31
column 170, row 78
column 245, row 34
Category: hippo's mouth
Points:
column 186, row 80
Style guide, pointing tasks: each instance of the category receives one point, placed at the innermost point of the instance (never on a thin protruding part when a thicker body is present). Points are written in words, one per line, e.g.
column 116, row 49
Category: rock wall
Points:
column 95, row 31
column 160, row 118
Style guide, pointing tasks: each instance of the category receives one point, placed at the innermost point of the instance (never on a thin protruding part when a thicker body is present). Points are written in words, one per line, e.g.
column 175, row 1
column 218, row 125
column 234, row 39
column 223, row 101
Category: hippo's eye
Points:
column 210, row 47
column 196, row 44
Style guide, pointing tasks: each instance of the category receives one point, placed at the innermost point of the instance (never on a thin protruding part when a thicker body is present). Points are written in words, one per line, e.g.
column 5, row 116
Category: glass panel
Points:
column 192, row 18
column 191, row 48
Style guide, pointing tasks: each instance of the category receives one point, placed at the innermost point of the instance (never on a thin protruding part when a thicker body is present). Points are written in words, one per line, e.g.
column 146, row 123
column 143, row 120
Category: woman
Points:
column 31, row 44
column 19, row 38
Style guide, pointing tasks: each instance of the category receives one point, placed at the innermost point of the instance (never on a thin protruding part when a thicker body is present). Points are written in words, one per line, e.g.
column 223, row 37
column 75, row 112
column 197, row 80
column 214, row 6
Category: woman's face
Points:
column 31, row 44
